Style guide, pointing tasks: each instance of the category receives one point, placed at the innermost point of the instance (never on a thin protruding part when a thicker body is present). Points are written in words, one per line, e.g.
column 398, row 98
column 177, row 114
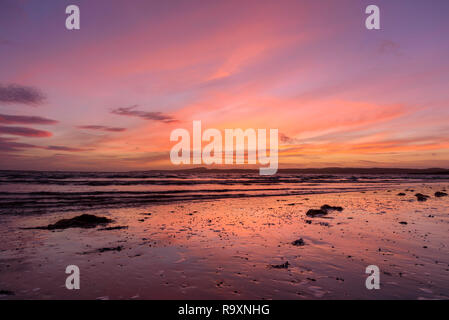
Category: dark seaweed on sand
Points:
column 280, row 266
column 324, row 210
column 118, row 248
column 421, row 197
column 300, row 242
column 316, row 212
column 113, row 228
column 327, row 207
column 83, row 221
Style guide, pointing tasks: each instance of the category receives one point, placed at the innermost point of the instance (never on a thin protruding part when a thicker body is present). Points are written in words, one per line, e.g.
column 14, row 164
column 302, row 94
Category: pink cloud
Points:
column 12, row 119
column 102, row 128
column 17, row 94
column 24, row 132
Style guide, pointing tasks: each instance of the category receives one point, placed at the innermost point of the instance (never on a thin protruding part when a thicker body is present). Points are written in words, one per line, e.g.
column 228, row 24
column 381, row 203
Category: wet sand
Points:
column 224, row 249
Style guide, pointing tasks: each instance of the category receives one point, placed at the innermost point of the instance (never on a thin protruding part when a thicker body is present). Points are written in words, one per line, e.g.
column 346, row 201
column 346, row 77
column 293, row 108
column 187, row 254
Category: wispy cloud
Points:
column 102, row 128
column 24, row 132
column 14, row 93
column 11, row 145
column 132, row 112
column 12, row 119
column 62, row 148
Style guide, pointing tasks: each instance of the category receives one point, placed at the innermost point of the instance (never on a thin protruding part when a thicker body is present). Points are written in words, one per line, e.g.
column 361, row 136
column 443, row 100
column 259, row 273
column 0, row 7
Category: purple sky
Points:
column 107, row 96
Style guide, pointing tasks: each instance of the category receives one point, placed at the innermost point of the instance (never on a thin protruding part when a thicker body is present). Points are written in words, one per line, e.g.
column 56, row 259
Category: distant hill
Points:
column 334, row 170
column 330, row 170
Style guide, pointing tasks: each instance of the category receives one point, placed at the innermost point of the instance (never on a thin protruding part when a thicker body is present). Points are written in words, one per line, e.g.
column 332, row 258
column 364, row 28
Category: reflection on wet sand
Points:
column 244, row 248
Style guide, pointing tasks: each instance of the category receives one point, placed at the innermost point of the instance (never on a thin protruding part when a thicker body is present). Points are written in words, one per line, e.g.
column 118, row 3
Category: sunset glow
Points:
column 107, row 96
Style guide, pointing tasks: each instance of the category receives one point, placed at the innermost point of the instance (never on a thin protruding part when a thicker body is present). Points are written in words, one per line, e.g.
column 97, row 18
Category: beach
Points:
column 233, row 244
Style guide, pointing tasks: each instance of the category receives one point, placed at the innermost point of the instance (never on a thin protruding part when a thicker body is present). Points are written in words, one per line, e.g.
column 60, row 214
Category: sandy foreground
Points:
column 224, row 249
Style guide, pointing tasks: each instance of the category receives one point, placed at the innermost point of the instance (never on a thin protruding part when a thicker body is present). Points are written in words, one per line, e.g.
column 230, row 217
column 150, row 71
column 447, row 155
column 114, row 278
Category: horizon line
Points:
column 436, row 170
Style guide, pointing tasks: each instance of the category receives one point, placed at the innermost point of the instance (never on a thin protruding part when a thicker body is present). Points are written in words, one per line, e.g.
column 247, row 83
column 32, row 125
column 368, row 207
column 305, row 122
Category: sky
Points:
column 107, row 96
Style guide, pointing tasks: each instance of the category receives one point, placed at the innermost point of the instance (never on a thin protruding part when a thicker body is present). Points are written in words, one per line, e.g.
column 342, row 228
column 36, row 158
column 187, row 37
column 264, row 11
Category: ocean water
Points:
column 34, row 192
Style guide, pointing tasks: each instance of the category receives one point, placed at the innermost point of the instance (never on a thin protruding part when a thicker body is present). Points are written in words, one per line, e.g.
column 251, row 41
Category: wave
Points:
column 39, row 192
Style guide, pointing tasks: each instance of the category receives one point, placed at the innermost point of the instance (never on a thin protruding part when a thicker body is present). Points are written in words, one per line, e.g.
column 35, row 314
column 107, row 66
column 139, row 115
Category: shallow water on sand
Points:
column 35, row 192
column 223, row 249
